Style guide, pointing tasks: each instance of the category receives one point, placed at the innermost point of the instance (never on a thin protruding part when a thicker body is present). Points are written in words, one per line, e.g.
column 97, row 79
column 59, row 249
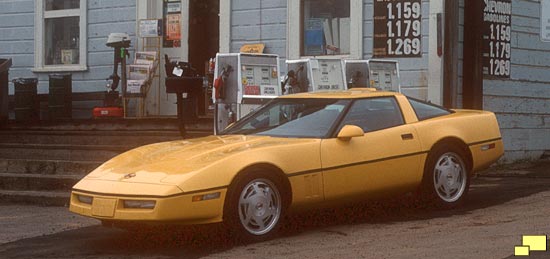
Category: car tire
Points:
column 255, row 206
column 446, row 177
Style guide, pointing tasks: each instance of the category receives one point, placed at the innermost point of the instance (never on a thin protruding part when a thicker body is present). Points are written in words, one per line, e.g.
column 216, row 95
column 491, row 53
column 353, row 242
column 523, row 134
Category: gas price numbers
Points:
column 497, row 32
column 397, row 28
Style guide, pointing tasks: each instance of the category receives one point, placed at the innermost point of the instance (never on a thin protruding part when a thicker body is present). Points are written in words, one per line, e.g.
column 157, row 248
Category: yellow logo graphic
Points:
column 531, row 243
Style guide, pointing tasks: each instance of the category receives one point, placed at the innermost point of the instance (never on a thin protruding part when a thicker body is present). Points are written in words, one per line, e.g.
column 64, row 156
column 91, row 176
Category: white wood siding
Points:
column 104, row 17
column 17, row 36
column 263, row 21
column 522, row 103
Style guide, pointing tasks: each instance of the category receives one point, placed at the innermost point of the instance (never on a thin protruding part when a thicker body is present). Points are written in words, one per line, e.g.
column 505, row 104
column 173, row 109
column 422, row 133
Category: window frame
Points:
column 267, row 106
column 295, row 33
column 350, row 106
column 39, row 41
column 428, row 104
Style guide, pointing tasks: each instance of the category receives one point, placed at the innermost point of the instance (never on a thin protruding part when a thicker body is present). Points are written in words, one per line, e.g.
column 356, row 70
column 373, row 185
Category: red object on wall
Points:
column 108, row 112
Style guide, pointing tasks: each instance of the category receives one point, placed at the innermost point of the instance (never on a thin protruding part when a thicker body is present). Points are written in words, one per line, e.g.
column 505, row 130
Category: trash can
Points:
column 25, row 99
column 5, row 65
column 60, row 103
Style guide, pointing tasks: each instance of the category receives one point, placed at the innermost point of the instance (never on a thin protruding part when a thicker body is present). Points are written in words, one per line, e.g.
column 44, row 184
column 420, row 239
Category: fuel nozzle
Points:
column 355, row 79
column 291, row 84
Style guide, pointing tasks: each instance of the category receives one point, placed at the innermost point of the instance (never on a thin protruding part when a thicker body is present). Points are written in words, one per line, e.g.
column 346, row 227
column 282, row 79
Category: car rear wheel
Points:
column 446, row 176
column 255, row 206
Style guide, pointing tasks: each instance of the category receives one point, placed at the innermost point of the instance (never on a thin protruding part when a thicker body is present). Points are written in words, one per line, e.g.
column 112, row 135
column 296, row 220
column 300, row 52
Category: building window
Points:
column 60, row 42
column 325, row 28
column 53, row 5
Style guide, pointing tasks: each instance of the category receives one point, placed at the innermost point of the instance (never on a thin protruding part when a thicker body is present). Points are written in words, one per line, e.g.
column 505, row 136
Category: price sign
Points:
column 397, row 28
column 497, row 20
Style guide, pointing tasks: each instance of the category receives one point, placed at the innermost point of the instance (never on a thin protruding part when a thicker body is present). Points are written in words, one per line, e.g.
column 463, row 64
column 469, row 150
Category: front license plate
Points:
column 103, row 207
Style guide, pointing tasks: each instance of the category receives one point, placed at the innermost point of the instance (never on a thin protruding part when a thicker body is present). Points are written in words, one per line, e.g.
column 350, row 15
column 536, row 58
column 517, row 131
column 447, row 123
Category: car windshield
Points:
column 293, row 117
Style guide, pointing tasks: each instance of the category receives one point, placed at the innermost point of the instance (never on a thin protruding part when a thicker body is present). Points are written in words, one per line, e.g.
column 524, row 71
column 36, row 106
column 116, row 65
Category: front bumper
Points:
column 174, row 208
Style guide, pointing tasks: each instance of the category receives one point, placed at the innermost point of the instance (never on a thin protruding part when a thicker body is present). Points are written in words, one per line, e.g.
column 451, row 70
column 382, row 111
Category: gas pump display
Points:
column 384, row 75
column 243, row 83
column 259, row 80
column 312, row 75
column 328, row 74
column 375, row 73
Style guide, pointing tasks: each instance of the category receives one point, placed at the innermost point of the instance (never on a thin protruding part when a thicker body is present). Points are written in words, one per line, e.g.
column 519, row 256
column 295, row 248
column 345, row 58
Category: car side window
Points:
column 374, row 114
column 426, row 111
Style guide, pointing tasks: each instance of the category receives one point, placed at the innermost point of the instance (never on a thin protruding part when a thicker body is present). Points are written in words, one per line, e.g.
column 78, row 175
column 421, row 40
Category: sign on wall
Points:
column 497, row 34
column 397, row 28
column 172, row 23
column 150, row 28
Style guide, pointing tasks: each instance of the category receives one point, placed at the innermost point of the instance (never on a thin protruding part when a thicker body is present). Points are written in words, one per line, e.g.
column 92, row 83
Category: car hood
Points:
column 173, row 162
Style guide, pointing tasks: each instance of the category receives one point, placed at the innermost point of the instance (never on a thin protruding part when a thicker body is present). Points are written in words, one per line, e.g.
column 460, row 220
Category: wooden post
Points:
column 472, row 84
column 450, row 54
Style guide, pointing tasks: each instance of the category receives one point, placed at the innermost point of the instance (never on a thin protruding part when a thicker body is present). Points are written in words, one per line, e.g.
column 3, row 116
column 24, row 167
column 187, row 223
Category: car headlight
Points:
column 136, row 204
column 85, row 199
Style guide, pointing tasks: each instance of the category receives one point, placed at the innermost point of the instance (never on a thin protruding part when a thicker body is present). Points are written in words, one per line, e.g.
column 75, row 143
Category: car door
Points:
column 386, row 158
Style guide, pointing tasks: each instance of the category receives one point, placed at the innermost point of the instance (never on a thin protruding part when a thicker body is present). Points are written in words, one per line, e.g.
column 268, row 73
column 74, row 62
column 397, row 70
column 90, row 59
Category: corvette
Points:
column 298, row 151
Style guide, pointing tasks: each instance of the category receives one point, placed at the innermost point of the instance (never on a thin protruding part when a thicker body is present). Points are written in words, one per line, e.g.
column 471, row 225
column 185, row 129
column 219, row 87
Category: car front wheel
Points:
column 255, row 207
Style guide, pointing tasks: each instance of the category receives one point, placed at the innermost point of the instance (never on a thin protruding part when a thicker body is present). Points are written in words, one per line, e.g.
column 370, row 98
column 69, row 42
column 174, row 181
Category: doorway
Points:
column 468, row 67
column 204, row 31
column 472, row 85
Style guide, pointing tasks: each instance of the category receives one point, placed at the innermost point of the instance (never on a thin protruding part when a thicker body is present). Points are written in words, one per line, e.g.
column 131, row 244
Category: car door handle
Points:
column 407, row 136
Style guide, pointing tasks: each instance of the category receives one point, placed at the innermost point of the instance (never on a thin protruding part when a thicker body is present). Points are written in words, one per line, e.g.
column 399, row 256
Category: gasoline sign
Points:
column 497, row 20
column 397, row 28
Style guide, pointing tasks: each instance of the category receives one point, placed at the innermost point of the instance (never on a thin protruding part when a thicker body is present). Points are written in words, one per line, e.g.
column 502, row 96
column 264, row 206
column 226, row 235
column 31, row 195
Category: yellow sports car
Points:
column 303, row 150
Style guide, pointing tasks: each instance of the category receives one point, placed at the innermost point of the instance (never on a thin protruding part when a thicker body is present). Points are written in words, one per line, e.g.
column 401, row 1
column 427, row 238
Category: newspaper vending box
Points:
column 243, row 82
column 373, row 73
column 313, row 75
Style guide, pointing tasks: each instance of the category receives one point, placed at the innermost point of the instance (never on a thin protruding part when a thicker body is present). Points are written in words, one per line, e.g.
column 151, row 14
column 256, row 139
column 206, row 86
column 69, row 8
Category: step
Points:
column 90, row 137
column 160, row 123
column 129, row 138
column 47, row 167
column 37, row 182
column 61, row 152
column 58, row 198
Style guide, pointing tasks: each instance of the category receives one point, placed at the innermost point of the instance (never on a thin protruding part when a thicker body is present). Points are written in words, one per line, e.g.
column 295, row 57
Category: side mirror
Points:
column 350, row 131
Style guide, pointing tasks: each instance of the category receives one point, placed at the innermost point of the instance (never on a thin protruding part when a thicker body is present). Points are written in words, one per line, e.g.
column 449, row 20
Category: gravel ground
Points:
column 501, row 207
column 19, row 222
column 476, row 231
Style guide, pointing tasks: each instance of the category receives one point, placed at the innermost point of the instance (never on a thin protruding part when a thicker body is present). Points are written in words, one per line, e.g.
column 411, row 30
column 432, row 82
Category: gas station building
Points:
column 492, row 55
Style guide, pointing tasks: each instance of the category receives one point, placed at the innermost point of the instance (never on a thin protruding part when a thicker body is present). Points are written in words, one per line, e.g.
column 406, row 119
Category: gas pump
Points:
column 312, row 75
column 373, row 73
column 243, row 82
